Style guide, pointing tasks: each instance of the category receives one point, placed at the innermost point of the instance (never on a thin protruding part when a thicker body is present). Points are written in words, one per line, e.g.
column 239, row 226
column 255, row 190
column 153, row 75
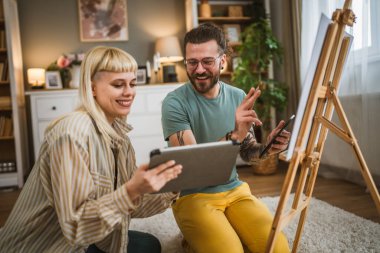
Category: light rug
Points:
column 327, row 229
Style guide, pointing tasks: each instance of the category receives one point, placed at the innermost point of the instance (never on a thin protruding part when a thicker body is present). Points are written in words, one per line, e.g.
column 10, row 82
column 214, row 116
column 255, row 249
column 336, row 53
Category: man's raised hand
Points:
column 245, row 116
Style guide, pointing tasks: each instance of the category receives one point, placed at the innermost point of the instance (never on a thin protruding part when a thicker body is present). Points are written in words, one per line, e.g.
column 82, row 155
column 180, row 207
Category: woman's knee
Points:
column 140, row 242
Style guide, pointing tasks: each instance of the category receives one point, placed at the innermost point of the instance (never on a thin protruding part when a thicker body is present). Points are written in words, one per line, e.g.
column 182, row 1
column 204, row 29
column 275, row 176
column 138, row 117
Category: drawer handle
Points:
column 54, row 108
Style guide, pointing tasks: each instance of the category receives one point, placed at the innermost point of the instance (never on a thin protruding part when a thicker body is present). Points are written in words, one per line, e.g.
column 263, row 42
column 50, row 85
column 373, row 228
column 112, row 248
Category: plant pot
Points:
column 265, row 166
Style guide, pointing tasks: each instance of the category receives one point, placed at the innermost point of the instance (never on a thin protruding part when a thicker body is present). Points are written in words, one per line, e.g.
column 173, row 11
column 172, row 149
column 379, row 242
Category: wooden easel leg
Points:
column 301, row 185
column 363, row 165
column 286, row 188
column 308, row 193
column 300, row 226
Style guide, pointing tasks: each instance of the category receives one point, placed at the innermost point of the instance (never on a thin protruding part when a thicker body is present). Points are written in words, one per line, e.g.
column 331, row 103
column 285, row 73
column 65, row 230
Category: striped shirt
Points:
column 70, row 199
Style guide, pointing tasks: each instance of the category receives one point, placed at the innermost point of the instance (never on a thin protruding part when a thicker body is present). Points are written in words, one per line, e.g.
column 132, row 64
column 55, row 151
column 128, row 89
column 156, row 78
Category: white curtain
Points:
column 359, row 88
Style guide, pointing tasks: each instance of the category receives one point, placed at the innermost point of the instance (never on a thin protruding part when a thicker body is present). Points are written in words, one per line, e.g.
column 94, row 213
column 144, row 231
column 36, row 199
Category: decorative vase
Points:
column 65, row 77
column 205, row 9
column 75, row 76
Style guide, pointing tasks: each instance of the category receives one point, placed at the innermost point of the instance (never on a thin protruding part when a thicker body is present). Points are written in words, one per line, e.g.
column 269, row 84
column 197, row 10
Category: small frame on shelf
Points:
column 53, row 80
column 232, row 32
column 141, row 75
column 235, row 62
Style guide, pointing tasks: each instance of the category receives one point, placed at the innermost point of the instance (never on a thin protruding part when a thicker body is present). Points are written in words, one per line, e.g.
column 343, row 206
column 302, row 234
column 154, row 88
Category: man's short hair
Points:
column 204, row 33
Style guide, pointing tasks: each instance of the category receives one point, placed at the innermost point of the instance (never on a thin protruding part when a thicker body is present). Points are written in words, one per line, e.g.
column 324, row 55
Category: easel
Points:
column 317, row 121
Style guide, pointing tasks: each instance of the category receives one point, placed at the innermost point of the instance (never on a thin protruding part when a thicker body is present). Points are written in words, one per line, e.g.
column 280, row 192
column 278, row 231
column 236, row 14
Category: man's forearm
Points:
column 250, row 149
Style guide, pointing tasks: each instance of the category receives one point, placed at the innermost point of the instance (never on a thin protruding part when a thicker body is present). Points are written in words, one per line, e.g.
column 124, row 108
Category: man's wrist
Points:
column 235, row 136
column 232, row 136
column 228, row 136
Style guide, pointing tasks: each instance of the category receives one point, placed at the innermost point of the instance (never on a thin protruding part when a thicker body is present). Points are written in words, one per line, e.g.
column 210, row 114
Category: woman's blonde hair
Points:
column 99, row 59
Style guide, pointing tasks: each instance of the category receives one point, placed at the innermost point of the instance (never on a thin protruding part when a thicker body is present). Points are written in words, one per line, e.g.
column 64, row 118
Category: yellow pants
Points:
column 226, row 222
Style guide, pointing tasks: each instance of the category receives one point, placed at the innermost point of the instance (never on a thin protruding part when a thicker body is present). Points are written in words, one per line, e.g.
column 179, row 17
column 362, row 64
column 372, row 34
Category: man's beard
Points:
column 203, row 88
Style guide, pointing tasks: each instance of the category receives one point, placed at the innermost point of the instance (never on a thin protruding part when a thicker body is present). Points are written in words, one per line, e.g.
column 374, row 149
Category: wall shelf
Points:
column 7, row 138
column 247, row 2
column 225, row 19
column 226, row 73
column 6, row 108
column 4, row 83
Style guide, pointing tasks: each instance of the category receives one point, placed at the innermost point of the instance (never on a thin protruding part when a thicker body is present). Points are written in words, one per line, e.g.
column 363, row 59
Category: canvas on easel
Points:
column 313, row 122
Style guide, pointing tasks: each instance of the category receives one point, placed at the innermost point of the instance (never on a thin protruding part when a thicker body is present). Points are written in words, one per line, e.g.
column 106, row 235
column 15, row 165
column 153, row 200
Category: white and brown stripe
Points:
column 69, row 201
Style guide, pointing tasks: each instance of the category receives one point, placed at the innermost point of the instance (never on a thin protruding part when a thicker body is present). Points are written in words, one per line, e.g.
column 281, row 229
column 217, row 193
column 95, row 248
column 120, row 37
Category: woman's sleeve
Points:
column 152, row 204
column 83, row 219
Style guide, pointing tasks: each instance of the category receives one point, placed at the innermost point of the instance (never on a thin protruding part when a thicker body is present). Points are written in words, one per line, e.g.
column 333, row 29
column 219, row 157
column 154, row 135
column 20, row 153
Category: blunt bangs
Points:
column 113, row 60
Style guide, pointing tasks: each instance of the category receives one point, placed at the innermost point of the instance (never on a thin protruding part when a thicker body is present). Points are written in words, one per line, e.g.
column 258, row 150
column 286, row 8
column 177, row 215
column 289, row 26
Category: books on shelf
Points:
column 2, row 39
column 6, row 126
column 1, row 69
column 4, row 70
column 5, row 101
column 1, row 10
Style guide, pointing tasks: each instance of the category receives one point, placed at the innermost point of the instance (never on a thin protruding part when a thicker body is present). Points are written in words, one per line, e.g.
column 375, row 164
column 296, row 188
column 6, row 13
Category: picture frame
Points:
column 235, row 62
column 232, row 32
column 53, row 80
column 103, row 20
column 141, row 75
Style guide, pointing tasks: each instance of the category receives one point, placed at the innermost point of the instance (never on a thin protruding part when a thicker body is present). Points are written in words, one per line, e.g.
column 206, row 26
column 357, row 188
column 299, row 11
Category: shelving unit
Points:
column 220, row 16
column 13, row 141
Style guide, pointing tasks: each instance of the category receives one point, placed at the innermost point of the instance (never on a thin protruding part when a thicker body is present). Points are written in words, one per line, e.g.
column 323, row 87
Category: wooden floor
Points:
column 345, row 195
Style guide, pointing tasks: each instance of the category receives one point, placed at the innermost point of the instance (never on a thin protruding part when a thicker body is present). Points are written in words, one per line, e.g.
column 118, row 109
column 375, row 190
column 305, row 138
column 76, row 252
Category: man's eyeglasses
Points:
column 207, row 62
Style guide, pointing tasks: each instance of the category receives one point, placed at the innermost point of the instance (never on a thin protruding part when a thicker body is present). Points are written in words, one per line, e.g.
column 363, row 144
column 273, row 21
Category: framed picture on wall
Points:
column 103, row 20
column 141, row 76
column 232, row 32
column 53, row 80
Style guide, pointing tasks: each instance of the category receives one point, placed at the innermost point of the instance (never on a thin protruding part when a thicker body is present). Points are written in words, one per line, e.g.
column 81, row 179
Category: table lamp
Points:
column 170, row 52
column 36, row 77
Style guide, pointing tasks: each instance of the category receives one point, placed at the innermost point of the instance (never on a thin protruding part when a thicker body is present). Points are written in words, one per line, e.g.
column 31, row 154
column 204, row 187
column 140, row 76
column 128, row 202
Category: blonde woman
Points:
column 85, row 187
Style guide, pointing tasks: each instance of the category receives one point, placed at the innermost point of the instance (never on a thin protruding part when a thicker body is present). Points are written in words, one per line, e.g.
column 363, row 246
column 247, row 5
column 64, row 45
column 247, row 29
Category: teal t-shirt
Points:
column 209, row 120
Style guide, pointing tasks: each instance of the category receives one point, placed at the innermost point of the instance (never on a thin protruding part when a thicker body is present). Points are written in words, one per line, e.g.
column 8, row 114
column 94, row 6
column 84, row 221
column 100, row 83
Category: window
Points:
column 366, row 30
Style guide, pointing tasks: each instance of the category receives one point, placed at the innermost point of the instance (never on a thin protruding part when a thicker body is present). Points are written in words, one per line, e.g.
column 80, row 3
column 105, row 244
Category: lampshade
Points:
column 169, row 49
column 36, row 77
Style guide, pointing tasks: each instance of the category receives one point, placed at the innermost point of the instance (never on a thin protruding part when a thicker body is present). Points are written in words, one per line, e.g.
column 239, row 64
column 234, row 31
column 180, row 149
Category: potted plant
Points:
column 258, row 49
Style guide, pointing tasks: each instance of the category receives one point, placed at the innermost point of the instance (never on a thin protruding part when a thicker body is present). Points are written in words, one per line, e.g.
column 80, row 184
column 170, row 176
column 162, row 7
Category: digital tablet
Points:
column 203, row 165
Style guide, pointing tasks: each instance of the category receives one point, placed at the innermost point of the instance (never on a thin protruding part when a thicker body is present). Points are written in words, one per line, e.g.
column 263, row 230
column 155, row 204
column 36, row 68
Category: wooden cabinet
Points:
column 13, row 142
column 231, row 16
column 145, row 116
